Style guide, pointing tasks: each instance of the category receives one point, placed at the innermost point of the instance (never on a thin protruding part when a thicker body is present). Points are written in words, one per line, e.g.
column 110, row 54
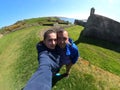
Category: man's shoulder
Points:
column 72, row 44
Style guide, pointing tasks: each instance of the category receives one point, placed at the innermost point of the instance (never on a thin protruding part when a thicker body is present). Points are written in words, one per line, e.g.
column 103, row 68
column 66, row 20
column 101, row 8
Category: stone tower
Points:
column 92, row 11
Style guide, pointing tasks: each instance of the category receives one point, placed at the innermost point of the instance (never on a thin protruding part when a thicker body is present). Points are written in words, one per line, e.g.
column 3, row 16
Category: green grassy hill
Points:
column 96, row 69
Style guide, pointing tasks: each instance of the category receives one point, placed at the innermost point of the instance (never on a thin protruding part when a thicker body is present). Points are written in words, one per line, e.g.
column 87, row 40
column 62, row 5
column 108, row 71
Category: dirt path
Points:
column 1, row 35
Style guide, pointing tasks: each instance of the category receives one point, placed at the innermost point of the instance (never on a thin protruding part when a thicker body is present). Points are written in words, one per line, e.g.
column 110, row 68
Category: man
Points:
column 68, row 50
column 48, row 63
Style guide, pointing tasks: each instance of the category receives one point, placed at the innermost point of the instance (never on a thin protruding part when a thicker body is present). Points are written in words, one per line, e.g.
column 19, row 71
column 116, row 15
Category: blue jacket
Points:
column 48, row 66
column 72, row 51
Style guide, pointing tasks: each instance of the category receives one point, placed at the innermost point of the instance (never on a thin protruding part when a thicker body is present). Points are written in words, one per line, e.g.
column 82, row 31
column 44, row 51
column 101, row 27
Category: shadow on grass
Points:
column 55, row 79
column 98, row 42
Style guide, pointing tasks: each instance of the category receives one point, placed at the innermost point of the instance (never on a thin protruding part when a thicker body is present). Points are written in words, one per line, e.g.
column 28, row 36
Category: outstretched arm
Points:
column 42, row 78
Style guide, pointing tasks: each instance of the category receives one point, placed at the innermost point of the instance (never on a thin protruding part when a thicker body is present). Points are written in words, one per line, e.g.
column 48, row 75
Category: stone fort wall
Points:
column 101, row 27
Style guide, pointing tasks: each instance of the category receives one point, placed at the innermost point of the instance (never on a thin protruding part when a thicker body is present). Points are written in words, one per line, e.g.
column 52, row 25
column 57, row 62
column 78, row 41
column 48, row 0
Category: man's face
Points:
column 51, row 40
column 62, row 39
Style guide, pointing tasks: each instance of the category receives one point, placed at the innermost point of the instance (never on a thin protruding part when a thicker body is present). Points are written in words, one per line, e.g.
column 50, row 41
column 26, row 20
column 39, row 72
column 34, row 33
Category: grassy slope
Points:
column 100, row 56
column 18, row 57
column 18, row 61
column 105, row 57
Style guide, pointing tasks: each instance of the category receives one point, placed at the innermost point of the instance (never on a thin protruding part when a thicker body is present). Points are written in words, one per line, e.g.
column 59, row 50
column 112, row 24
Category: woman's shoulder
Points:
column 41, row 47
column 40, row 44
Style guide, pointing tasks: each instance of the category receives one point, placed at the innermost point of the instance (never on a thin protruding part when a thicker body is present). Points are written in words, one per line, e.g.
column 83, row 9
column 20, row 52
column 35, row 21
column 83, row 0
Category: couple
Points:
column 55, row 50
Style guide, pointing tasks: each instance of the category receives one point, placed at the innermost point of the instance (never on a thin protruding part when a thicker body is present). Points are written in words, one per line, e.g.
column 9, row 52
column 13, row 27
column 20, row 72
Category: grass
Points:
column 18, row 61
column 102, row 57
column 18, row 51
column 41, row 19
column 76, row 81
column 100, row 53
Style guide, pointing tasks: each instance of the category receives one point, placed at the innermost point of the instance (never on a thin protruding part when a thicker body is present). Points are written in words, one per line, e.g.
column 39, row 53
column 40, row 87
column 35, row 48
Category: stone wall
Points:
column 80, row 22
column 101, row 27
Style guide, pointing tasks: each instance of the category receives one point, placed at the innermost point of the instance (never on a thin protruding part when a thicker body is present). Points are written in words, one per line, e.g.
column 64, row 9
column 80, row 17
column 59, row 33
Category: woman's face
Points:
column 51, row 40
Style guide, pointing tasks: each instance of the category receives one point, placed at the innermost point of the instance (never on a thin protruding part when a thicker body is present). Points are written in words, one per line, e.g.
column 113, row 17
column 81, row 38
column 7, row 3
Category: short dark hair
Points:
column 47, row 33
column 61, row 30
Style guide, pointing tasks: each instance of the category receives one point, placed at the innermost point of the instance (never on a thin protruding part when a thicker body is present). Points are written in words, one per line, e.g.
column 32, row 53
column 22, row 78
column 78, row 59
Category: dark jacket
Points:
column 48, row 66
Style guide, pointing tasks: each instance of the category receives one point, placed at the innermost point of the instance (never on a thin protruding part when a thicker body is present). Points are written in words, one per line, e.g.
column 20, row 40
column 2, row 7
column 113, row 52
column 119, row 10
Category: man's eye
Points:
column 65, row 38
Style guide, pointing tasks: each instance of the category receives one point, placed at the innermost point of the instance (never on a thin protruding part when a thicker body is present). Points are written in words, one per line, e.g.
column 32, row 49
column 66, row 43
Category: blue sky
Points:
column 15, row 10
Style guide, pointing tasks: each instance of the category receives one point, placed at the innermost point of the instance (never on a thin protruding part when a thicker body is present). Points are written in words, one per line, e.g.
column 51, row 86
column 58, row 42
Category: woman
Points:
column 48, row 63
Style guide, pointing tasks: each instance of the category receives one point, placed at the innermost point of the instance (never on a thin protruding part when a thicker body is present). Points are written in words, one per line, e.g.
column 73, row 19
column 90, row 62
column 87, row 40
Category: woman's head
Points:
column 50, row 39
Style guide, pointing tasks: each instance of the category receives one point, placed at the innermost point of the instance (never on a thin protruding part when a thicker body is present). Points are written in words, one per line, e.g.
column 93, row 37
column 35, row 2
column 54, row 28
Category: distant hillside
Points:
column 42, row 21
column 72, row 20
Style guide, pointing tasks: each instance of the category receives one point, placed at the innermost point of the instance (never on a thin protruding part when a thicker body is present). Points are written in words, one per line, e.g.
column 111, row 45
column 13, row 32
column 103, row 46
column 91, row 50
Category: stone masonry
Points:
column 101, row 27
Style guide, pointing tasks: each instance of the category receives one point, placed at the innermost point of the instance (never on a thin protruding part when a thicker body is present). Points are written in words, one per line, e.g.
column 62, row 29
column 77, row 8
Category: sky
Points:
column 12, row 11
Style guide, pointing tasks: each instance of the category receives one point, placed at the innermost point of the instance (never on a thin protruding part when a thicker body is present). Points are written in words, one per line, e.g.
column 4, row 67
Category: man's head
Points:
column 50, row 39
column 62, row 38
